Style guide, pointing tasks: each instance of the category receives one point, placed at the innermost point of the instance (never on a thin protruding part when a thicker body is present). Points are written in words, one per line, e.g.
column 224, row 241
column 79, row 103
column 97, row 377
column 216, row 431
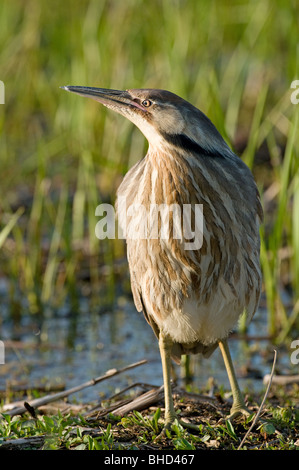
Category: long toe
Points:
column 237, row 411
column 169, row 427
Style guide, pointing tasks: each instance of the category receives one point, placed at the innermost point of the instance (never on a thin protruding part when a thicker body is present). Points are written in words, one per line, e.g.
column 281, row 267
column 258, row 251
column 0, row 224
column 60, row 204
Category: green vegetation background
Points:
column 62, row 155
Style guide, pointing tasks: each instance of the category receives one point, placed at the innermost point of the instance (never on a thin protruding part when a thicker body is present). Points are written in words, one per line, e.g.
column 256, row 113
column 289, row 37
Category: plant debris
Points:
column 98, row 428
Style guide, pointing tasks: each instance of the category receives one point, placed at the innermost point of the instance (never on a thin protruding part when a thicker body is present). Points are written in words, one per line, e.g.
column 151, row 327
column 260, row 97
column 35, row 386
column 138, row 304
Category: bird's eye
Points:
column 146, row 103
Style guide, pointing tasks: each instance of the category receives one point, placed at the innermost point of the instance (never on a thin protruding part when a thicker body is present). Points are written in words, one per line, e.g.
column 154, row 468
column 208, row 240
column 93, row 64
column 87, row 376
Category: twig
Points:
column 134, row 385
column 141, row 402
column 281, row 379
column 23, row 442
column 58, row 396
column 99, row 409
column 263, row 402
column 198, row 398
column 30, row 409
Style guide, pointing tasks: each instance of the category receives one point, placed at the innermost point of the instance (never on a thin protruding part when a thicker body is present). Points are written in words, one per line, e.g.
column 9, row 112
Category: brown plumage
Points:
column 192, row 298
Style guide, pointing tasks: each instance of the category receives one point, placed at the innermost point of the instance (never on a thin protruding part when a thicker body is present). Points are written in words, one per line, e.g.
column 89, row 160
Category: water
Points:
column 63, row 349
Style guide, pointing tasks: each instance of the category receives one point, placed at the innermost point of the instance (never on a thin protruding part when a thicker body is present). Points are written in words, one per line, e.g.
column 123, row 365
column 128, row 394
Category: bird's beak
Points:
column 115, row 99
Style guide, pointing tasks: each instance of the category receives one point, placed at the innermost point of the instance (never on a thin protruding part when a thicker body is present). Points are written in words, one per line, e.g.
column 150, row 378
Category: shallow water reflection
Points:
column 67, row 350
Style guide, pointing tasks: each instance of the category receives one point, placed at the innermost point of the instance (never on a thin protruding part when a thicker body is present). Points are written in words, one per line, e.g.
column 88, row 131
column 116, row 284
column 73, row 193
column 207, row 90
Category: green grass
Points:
column 61, row 155
column 139, row 431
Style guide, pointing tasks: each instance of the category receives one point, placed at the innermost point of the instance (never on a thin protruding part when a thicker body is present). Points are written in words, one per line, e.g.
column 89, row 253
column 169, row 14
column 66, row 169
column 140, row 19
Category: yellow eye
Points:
column 146, row 103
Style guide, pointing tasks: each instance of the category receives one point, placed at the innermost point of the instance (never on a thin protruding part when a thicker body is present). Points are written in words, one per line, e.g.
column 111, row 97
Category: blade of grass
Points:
column 251, row 148
column 10, row 224
column 295, row 234
column 53, row 259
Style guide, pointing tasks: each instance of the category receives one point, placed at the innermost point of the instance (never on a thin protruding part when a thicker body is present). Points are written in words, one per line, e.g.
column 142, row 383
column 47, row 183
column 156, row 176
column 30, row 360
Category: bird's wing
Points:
column 139, row 304
column 136, row 294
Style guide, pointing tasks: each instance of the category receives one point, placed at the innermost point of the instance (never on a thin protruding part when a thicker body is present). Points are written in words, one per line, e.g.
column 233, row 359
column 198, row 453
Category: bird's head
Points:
column 162, row 116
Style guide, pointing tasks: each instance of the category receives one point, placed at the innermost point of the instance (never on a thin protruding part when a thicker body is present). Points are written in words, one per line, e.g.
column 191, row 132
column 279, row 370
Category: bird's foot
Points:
column 167, row 428
column 172, row 426
column 185, row 424
column 238, row 410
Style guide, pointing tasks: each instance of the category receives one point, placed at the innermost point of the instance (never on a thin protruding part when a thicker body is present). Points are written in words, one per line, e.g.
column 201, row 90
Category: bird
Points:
column 192, row 298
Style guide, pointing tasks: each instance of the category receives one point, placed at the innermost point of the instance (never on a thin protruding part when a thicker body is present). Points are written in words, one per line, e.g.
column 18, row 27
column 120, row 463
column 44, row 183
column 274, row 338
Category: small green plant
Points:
column 150, row 424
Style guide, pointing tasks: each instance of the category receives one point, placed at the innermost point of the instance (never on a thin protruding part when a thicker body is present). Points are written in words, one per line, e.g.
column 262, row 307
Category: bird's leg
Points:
column 238, row 400
column 165, row 345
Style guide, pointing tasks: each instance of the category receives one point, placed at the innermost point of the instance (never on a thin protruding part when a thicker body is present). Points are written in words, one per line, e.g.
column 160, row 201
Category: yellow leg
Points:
column 165, row 345
column 238, row 400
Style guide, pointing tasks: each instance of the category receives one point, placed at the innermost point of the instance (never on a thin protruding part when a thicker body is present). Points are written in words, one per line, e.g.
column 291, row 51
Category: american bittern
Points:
column 191, row 298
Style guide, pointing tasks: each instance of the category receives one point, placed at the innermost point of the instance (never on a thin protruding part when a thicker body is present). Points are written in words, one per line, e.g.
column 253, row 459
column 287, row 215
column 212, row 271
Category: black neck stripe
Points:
column 185, row 143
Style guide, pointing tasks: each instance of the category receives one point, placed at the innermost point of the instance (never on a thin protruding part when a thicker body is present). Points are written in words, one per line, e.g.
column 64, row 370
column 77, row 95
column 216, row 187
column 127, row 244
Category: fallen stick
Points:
column 140, row 403
column 58, row 396
column 99, row 411
column 22, row 442
column 281, row 379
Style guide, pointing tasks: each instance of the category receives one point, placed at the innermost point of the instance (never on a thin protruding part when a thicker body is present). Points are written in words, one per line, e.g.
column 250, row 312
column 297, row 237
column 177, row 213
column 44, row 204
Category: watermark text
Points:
column 2, row 353
column 2, row 93
column 295, row 353
column 152, row 222
column 295, row 94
